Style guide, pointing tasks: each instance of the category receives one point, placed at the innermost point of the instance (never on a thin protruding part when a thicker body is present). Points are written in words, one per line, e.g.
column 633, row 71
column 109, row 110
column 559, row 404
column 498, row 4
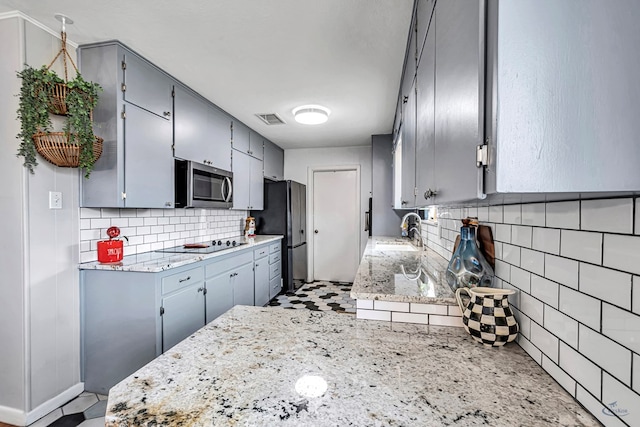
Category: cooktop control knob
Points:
column 228, row 243
column 219, row 242
column 233, row 243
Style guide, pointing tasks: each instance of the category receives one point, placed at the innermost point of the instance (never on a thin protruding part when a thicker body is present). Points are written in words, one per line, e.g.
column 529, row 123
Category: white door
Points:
column 335, row 225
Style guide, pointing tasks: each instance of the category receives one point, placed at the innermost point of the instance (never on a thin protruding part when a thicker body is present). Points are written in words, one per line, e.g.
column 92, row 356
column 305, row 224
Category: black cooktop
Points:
column 214, row 246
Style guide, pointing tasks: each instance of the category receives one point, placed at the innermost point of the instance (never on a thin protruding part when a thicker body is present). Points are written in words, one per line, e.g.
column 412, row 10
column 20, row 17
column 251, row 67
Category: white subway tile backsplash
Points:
column 546, row 240
column 100, row 223
column 561, row 326
column 364, row 303
column 136, row 222
column 565, row 381
column 532, row 308
column 581, row 245
column 581, row 369
column 521, row 235
column 545, row 341
column 637, row 216
column 521, row 279
column 511, row 254
column 607, row 354
column 410, row 318
column 454, row 310
column 581, row 307
column 531, row 349
column 626, row 401
column 503, row 270
column 621, row 326
column 110, row 213
column 496, row 214
column 524, row 323
column 601, row 412
column 483, row 213
column 635, row 303
column 622, row 252
column 373, row 315
column 605, row 284
column 503, row 233
column 561, row 270
column 428, row 308
column 533, row 214
column 438, row 320
column 90, row 234
column 512, row 214
column 545, row 290
column 563, row 215
column 391, row 306
column 532, row 261
column 90, row 213
column 608, row 215
column 635, row 381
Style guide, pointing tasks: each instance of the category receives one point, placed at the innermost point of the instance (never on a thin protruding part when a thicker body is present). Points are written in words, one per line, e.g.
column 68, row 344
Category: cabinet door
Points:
column 243, row 287
column 459, row 102
column 409, row 151
column 147, row 87
column 423, row 18
column 219, row 296
column 261, row 278
column 219, row 138
column 241, row 166
column 240, row 139
column 273, row 161
column 256, row 145
column 409, row 73
column 425, row 124
column 190, row 124
column 148, row 164
column 275, row 286
column 256, row 191
column 183, row 314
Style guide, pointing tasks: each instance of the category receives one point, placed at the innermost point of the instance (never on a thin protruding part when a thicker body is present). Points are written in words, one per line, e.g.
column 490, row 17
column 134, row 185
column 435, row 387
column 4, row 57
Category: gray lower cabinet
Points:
column 275, row 270
column 129, row 318
column 273, row 161
column 261, row 276
column 134, row 117
column 248, row 181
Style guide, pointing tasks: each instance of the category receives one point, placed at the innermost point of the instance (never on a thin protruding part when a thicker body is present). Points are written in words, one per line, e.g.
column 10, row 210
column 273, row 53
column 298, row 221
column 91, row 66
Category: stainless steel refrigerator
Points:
column 285, row 212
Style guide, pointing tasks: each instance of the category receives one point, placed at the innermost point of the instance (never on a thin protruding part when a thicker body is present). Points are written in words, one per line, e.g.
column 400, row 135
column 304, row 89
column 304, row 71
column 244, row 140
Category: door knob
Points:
column 315, row 231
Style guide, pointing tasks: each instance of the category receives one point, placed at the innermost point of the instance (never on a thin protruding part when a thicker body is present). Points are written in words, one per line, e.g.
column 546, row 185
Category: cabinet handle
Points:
column 200, row 289
column 274, row 177
column 231, row 275
column 167, row 204
column 430, row 193
column 167, row 114
column 185, row 279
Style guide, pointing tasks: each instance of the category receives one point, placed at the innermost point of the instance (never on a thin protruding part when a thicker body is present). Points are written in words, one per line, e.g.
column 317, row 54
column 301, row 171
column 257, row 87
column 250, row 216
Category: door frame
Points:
column 310, row 211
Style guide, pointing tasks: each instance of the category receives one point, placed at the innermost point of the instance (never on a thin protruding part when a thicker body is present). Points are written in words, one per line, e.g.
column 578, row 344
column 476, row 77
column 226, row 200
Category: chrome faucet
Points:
column 418, row 228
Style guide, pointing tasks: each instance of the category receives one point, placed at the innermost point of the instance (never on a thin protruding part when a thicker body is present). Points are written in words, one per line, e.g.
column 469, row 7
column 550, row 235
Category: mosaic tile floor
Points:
column 318, row 296
column 88, row 409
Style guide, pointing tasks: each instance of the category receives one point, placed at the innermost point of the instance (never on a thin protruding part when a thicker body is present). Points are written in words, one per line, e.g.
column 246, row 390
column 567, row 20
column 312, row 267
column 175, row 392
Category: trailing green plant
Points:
column 36, row 95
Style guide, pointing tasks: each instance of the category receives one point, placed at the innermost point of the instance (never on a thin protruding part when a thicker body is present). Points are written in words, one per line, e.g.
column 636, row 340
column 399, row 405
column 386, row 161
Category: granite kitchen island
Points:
column 271, row 366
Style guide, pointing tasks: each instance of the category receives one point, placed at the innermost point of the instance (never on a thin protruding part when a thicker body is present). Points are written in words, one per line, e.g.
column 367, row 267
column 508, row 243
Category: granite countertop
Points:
column 153, row 262
column 271, row 366
column 380, row 276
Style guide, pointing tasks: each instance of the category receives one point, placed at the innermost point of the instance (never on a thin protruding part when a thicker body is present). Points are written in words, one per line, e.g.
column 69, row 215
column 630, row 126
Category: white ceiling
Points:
column 262, row 56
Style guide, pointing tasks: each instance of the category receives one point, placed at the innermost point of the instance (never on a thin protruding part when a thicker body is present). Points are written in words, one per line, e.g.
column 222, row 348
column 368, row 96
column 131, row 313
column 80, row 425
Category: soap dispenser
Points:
column 468, row 267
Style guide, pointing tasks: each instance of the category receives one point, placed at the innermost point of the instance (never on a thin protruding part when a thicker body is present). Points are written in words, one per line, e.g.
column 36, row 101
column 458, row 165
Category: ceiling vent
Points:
column 271, row 119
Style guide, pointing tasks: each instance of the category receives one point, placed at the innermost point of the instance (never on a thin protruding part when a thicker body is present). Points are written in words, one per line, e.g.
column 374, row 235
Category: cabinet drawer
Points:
column 275, row 286
column 261, row 252
column 180, row 280
column 274, row 270
column 274, row 248
column 235, row 261
column 275, row 257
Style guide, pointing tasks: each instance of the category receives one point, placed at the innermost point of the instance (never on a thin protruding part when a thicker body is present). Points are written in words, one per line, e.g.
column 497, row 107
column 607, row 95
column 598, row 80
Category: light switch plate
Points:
column 55, row 200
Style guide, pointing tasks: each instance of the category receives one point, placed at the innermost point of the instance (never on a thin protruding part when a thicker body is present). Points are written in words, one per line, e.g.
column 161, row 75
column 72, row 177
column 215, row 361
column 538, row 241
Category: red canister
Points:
column 110, row 251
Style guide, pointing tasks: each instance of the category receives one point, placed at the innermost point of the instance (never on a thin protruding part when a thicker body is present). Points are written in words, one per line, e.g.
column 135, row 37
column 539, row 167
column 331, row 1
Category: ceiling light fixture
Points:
column 311, row 114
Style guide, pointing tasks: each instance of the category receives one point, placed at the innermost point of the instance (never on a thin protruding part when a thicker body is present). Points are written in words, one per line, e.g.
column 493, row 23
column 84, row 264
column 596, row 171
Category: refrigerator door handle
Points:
column 367, row 220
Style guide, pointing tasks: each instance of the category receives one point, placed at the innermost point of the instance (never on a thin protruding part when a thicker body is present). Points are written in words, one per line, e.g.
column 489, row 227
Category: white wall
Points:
column 297, row 163
column 575, row 267
column 39, row 308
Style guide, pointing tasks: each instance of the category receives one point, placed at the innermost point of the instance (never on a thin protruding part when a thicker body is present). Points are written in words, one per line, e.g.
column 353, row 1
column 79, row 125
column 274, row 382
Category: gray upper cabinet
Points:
column 136, row 166
column 273, row 161
column 408, row 131
column 425, row 124
column 146, row 86
column 202, row 132
column 248, row 182
column 247, row 141
column 424, row 10
column 459, row 98
column 563, row 115
column 409, row 73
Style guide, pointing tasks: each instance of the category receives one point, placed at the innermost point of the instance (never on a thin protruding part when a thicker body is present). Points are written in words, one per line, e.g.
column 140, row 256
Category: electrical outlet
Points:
column 55, row 200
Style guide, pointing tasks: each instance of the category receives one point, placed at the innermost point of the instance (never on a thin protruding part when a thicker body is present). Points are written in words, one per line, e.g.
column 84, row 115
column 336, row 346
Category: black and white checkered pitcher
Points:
column 487, row 316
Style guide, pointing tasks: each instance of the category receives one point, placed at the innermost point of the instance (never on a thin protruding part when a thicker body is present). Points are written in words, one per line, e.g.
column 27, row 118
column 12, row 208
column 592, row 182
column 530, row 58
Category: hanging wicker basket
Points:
column 56, row 148
column 57, row 98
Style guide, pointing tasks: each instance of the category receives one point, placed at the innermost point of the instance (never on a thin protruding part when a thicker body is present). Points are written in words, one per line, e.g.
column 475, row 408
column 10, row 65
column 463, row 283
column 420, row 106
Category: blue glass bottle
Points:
column 468, row 267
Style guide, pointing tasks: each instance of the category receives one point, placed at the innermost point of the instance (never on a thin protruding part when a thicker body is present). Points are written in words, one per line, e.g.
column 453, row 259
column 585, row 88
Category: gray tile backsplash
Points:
column 575, row 268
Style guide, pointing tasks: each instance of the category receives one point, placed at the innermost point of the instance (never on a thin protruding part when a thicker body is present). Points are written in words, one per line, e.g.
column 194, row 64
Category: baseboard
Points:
column 13, row 416
column 53, row 403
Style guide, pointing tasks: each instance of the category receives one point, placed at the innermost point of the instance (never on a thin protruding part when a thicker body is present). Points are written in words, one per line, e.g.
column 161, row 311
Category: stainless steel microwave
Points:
column 201, row 186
